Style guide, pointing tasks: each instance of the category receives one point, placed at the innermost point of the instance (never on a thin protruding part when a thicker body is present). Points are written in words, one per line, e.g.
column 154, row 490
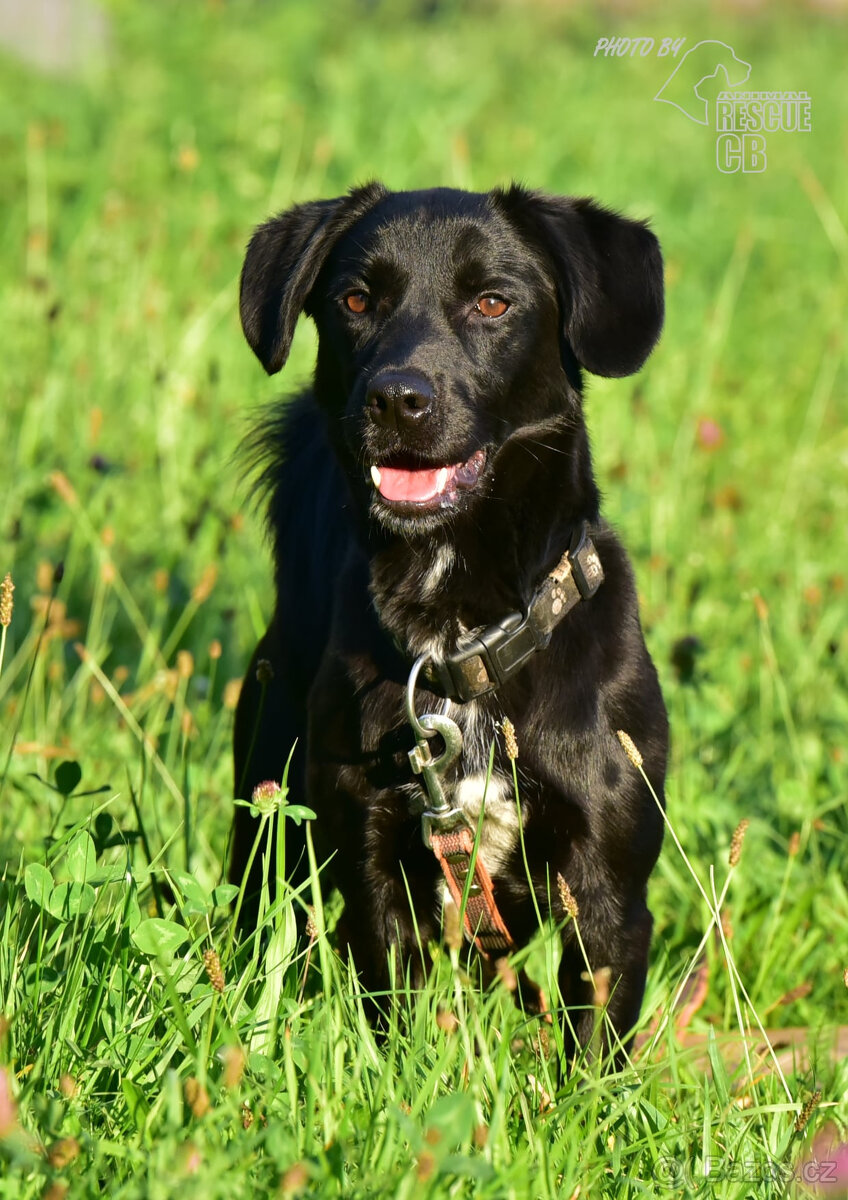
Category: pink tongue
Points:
column 414, row 486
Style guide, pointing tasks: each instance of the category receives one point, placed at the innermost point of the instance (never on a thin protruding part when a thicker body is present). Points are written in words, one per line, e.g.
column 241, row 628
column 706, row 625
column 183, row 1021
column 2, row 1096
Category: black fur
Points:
column 422, row 378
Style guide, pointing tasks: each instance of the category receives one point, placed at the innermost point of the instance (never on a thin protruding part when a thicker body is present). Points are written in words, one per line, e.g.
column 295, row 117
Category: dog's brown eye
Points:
column 357, row 302
column 492, row 306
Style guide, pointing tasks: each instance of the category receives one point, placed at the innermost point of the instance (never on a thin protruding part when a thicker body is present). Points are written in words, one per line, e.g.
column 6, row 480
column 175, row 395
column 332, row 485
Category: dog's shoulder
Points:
column 288, row 453
column 308, row 510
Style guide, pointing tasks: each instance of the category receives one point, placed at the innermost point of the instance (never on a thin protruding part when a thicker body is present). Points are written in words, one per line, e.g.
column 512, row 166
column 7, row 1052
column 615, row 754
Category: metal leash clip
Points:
column 441, row 815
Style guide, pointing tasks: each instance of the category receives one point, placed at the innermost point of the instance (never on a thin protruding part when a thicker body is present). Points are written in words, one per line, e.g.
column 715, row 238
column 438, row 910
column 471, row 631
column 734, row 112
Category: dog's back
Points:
column 310, row 523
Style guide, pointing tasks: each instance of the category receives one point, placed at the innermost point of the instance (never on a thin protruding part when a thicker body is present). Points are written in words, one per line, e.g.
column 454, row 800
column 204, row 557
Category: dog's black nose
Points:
column 398, row 400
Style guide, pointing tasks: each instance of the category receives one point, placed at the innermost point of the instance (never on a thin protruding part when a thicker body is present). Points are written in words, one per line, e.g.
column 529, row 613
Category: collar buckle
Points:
column 496, row 653
column 488, row 659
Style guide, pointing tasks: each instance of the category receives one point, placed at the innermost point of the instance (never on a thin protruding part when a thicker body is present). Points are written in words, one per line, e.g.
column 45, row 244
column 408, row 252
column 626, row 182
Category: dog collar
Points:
column 499, row 651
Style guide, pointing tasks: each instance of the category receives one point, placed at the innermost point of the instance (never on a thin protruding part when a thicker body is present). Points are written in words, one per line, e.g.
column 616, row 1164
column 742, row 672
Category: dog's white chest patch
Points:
column 499, row 828
column 496, row 798
column 438, row 569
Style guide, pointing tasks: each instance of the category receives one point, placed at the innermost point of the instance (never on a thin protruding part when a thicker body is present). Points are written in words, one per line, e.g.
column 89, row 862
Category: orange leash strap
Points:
column 483, row 923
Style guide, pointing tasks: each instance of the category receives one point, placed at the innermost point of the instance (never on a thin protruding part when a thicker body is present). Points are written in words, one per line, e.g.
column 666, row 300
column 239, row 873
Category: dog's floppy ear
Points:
column 282, row 263
column 609, row 275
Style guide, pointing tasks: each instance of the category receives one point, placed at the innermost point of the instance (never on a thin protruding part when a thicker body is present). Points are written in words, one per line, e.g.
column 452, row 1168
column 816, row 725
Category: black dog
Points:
column 432, row 494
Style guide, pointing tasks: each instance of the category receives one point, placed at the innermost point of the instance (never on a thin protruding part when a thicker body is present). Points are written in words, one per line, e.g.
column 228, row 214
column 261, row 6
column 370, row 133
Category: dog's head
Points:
column 448, row 321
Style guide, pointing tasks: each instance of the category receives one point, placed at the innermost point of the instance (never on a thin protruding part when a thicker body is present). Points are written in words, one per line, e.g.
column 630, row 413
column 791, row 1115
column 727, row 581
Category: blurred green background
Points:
column 131, row 181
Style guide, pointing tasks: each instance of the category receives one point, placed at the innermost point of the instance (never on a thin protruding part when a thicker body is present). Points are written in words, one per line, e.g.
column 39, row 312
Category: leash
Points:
column 483, row 663
column 446, row 831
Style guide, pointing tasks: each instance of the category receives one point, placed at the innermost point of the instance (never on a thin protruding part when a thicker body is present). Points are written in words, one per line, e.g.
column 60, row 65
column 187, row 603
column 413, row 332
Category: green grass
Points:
column 128, row 194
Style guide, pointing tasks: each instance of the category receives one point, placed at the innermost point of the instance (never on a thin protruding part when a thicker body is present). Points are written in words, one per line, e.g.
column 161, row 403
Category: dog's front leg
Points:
column 388, row 920
column 387, row 877
column 604, row 989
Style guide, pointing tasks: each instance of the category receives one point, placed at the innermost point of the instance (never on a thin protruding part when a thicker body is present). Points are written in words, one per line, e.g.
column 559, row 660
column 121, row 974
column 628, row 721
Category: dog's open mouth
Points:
column 428, row 486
